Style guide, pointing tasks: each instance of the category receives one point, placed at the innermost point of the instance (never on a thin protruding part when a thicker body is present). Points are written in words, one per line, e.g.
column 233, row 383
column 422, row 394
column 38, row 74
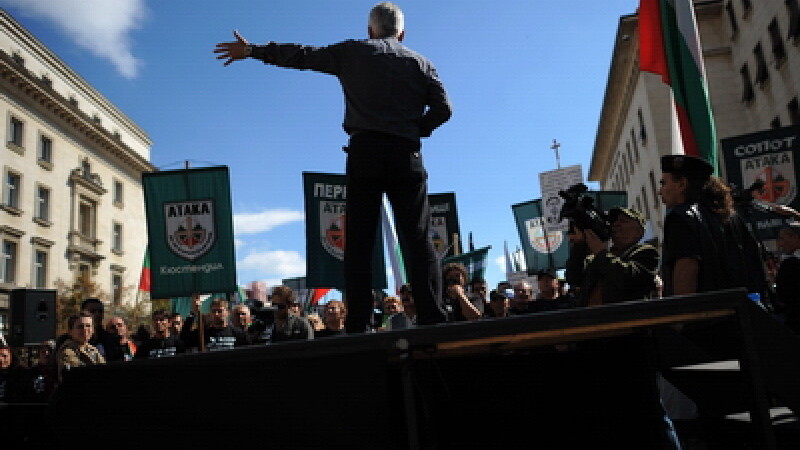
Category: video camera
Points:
column 584, row 215
column 265, row 315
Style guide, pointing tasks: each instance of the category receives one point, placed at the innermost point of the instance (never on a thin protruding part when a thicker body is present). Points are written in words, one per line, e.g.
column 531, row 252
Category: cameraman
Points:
column 460, row 306
column 624, row 271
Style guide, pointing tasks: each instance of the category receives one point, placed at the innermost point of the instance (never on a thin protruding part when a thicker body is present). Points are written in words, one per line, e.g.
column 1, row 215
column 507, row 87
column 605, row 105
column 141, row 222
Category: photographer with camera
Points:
column 625, row 270
column 460, row 306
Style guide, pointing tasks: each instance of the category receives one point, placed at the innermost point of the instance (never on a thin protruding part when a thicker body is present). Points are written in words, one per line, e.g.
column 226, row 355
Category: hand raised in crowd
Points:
column 595, row 244
column 233, row 51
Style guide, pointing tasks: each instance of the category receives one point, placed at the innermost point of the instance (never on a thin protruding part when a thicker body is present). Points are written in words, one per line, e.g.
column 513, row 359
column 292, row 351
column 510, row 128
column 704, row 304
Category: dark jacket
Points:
column 629, row 276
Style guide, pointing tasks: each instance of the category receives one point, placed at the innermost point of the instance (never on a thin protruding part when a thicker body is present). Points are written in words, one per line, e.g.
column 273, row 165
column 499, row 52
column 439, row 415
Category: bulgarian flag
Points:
column 144, row 279
column 669, row 46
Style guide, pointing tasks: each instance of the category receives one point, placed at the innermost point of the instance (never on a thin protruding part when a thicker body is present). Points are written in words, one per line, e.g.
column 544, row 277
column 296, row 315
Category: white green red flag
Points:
column 144, row 278
column 669, row 45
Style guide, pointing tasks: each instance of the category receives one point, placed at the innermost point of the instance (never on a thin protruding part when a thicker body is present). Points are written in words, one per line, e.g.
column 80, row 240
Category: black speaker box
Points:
column 33, row 316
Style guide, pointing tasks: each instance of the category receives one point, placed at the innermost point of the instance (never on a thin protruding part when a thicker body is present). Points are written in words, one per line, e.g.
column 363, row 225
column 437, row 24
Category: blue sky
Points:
column 519, row 73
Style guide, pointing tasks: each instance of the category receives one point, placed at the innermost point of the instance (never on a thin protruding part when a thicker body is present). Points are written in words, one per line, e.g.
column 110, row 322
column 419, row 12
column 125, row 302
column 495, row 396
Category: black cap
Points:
column 688, row 166
column 633, row 214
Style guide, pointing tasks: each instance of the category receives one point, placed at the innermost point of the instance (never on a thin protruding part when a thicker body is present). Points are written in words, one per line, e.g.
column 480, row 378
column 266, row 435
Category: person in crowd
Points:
column 176, row 323
column 120, row 346
column 77, row 351
column 12, row 377
column 162, row 343
column 383, row 152
column 316, row 322
column 391, row 306
column 499, row 305
column 334, row 317
column 242, row 319
column 549, row 297
column 218, row 334
column 287, row 326
column 706, row 246
column 523, row 297
column 407, row 317
column 43, row 376
column 101, row 337
column 622, row 270
column 461, row 305
column 143, row 333
column 787, row 279
column 479, row 288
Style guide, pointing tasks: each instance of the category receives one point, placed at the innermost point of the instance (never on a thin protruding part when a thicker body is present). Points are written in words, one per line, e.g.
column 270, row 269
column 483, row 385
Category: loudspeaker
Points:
column 33, row 316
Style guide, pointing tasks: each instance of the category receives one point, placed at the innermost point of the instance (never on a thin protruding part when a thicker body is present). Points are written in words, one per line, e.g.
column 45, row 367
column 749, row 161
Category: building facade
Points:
column 751, row 52
column 72, row 202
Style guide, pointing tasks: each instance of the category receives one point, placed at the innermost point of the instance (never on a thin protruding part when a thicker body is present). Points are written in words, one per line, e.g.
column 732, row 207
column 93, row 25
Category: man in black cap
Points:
column 624, row 271
column 549, row 297
column 704, row 241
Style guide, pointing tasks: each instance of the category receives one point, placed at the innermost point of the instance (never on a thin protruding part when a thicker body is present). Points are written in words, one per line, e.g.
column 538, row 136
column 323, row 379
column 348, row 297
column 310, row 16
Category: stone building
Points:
column 71, row 165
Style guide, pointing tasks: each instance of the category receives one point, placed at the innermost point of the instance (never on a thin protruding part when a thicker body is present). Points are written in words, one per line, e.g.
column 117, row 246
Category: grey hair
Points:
column 386, row 20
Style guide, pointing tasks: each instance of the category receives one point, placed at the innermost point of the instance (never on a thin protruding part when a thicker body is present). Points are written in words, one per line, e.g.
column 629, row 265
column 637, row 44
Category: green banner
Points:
column 326, row 204
column 190, row 232
column 770, row 157
column 445, row 231
column 551, row 252
column 474, row 261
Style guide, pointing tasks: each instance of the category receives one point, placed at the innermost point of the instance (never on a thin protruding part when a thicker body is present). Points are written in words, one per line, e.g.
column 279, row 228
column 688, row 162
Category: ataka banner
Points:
column 771, row 158
column 326, row 207
column 549, row 249
column 190, row 232
column 445, row 231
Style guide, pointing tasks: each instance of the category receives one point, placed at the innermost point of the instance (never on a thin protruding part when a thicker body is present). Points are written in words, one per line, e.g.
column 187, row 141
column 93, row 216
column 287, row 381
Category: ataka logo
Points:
column 776, row 172
column 541, row 242
column 331, row 228
column 190, row 229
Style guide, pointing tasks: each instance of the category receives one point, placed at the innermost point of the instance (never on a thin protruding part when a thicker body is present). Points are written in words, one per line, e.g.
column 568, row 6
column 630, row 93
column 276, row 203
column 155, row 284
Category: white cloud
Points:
column 501, row 263
column 274, row 264
column 100, row 26
column 253, row 223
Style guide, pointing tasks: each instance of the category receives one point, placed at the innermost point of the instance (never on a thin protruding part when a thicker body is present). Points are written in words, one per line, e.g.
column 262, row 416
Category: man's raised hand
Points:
column 233, row 51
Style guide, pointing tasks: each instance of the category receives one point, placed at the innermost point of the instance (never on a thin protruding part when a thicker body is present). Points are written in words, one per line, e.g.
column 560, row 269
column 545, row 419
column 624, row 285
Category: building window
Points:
column 654, row 186
column 116, row 238
column 747, row 6
column 794, row 20
column 40, row 269
column 12, row 188
column 778, row 50
column 16, row 131
column 116, row 289
column 86, row 217
column 642, row 129
column 43, row 203
column 646, row 204
column 794, row 112
column 635, row 145
column 118, row 193
column 45, row 149
column 8, row 262
column 747, row 84
column 762, row 74
column 17, row 58
column 732, row 19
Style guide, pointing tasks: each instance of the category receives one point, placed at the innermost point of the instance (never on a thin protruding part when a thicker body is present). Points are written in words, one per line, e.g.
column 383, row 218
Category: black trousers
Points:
column 376, row 164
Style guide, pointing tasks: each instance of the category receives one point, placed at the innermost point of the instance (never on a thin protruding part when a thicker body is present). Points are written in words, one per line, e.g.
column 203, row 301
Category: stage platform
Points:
column 501, row 383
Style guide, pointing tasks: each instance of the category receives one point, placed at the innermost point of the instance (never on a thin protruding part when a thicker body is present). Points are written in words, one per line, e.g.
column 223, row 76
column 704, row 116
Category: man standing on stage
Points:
column 393, row 97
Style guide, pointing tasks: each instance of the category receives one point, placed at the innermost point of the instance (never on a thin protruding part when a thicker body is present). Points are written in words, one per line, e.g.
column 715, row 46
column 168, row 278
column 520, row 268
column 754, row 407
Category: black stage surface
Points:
column 515, row 382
